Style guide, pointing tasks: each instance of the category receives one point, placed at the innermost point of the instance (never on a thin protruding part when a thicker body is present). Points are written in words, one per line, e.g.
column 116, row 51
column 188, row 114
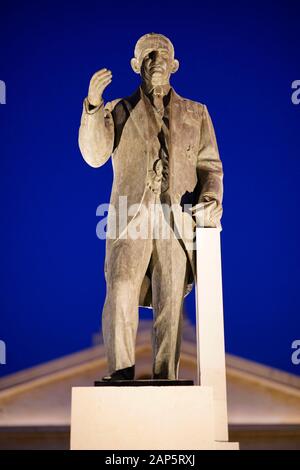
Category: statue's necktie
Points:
column 161, row 166
column 157, row 99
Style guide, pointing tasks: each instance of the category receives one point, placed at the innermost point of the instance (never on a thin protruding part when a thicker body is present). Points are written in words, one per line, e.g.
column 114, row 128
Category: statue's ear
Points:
column 135, row 65
column 175, row 66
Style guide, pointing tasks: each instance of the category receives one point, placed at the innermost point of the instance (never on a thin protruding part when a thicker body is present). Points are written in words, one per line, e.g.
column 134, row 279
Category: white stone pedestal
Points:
column 150, row 418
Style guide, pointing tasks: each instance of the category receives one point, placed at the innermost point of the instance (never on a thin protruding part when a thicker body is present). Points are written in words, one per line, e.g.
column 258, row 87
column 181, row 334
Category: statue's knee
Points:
column 121, row 288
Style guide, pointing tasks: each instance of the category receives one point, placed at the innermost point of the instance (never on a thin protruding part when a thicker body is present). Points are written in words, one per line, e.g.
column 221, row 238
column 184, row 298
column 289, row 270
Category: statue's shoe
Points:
column 121, row 374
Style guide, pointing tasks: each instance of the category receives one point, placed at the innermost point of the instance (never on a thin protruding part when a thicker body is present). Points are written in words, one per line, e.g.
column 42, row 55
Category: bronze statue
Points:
column 164, row 154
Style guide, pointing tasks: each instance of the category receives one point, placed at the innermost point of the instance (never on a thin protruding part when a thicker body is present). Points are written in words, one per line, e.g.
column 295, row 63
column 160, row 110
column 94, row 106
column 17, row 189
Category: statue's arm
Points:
column 96, row 133
column 208, row 211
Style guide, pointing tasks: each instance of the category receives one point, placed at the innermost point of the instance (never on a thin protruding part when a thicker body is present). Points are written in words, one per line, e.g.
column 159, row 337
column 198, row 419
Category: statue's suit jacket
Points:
column 122, row 129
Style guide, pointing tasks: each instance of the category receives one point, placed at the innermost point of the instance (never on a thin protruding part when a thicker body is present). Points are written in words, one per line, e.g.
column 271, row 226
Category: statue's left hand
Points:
column 206, row 214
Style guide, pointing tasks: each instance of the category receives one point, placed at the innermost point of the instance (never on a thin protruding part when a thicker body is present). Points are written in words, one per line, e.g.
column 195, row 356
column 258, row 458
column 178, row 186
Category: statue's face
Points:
column 157, row 66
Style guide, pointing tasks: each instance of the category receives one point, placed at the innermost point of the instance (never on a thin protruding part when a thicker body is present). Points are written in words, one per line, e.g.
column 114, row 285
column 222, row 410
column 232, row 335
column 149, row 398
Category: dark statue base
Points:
column 143, row 383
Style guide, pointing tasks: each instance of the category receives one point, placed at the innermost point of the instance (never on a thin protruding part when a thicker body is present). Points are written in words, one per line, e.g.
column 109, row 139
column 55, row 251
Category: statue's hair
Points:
column 152, row 41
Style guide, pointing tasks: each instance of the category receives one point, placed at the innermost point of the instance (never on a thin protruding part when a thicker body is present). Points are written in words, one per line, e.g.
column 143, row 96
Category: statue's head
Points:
column 154, row 58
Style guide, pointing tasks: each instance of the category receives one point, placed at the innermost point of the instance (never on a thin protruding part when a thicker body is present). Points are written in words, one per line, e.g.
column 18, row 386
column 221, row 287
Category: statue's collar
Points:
column 161, row 90
column 139, row 96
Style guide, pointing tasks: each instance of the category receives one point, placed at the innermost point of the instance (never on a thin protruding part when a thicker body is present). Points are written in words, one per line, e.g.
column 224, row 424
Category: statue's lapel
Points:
column 138, row 114
column 177, row 115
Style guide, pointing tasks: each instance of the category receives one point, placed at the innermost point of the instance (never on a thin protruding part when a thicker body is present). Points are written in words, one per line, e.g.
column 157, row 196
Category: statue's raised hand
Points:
column 99, row 81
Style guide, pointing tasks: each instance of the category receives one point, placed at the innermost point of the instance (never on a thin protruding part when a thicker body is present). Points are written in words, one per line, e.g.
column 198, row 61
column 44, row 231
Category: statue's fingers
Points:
column 101, row 71
column 101, row 80
column 105, row 74
column 99, row 74
column 103, row 83
column 103, row 77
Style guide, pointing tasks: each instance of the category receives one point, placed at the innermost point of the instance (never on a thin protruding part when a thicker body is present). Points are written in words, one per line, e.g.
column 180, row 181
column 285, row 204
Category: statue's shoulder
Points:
column 117, row 110
column 191, row 105
column 127, row 102
column 110, row 105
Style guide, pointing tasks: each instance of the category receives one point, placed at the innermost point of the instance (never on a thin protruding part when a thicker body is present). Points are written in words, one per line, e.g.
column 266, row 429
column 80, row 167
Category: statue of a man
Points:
column 164, row 154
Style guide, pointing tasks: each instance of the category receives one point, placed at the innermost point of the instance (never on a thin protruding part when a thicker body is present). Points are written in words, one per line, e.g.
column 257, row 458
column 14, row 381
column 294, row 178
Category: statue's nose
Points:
column 157, row 60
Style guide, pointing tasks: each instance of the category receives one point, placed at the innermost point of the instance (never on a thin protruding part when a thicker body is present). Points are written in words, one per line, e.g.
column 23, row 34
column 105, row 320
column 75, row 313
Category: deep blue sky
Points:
column 239, row 58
